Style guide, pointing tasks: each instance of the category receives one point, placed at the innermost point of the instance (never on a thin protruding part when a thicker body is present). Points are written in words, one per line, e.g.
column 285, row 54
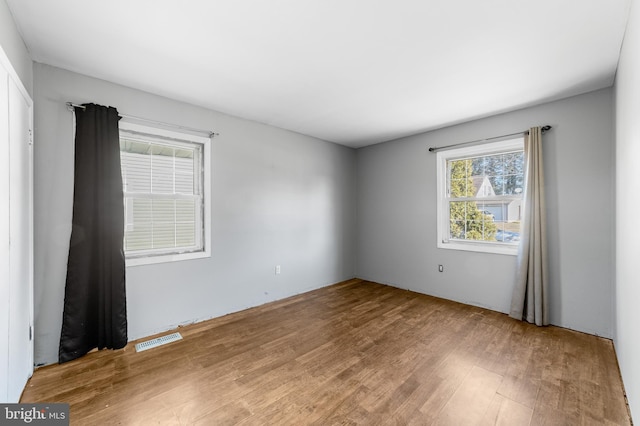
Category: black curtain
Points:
column 95, row 312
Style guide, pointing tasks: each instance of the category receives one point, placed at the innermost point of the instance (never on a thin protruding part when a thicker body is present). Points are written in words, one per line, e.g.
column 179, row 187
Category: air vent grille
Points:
column 153, row 343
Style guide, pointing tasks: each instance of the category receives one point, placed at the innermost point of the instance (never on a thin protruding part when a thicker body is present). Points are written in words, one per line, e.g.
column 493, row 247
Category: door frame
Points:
column 5, row 63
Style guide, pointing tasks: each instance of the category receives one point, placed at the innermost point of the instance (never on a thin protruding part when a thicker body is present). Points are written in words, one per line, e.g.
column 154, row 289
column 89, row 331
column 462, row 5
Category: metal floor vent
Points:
column 163, row 340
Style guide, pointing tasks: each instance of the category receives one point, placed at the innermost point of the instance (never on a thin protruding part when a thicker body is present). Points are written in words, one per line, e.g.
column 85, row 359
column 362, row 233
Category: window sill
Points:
column 165, row 258
column 510, row 250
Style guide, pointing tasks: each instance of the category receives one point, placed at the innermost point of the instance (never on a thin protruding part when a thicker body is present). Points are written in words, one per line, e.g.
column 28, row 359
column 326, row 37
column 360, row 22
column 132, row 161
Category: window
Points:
column 165, row 176
column 480, row 196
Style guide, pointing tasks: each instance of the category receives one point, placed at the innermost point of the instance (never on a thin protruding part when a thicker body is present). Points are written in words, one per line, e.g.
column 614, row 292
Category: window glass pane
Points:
column 486, row 176
column 497, row 184
column 164, row 210
column 162, row 174
column 142, row 211
column 508, row 215
column 185, row 211
column 509, row 232
column 513, row 163
column 185, row 234
column 186, row 222
column 494, row 165
column 184, row 175
column 460, row 187
column 160, row 223
column 164, row 217
column 162, row 150
column 164, row 235
column 457, row 211
column 482, row 187
column 138, row 232
column 457, row 231
column 470, row 220
column 473, row 230
column 135, row 147
column 185, row 153
column 461, row 169
column 136, row 172
column 477, row 166
column 139, row 237
column 513, row 184
column 458, row 216
column 500, row 236
column 159, row 169
column 460, row 181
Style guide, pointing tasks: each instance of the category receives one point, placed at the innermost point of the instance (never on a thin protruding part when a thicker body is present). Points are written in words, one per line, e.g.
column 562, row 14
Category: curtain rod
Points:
column 437, row 148
column 71, row 106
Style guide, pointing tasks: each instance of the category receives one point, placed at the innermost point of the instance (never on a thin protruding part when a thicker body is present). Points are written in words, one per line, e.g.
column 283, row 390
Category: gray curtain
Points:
column 530, row 292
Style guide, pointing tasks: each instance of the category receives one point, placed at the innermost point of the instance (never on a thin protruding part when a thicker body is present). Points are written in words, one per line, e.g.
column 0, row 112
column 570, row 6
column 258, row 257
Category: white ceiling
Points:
column 355, row 72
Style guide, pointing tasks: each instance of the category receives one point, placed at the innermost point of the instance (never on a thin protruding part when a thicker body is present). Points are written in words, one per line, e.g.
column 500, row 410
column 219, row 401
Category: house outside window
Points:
column 480, row 196
column 165, row 177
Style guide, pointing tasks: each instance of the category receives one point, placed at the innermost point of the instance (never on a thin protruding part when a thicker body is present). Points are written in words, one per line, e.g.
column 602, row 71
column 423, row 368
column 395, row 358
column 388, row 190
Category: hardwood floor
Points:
column 352, row 353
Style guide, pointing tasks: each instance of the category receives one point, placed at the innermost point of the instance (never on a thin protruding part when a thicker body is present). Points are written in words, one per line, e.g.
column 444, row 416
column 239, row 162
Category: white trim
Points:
column 8, row 66
column 207, row 198
column 154, row 132
column 515, row 144
column 442, row 215
column 480, row 246
column 150, row 260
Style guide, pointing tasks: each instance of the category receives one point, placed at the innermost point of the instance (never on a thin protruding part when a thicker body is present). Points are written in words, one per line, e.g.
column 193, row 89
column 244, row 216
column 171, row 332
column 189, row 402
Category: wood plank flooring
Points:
column 353, row 353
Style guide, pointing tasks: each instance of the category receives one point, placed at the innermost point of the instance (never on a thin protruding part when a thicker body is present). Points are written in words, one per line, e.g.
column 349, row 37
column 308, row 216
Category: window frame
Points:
column 171, row 137
column 443, row 221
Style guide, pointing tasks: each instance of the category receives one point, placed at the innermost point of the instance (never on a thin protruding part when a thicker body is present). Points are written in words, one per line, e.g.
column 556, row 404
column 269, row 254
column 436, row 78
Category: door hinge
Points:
column 30, row 333
column 30, row 137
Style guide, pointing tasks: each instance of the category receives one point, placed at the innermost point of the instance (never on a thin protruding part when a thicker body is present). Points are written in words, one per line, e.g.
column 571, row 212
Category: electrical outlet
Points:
column 441, row 268
column 277, row 269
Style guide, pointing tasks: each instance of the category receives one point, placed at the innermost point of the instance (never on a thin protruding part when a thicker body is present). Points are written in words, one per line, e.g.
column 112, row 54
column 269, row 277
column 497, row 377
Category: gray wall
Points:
column 396, row 211
column 14, row 47
column 284, row 198
column 627, row 294
column 279, row 198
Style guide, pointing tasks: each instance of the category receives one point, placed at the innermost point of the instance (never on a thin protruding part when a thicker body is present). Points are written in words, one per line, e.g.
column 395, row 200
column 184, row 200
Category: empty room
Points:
column 319, row 212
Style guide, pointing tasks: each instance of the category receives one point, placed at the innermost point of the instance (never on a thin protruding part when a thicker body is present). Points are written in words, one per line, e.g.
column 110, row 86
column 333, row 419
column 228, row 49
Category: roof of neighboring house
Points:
column 479, row 182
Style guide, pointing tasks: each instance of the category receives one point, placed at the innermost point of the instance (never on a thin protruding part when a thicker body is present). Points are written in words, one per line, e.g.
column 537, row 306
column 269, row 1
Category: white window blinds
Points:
column 163, row 195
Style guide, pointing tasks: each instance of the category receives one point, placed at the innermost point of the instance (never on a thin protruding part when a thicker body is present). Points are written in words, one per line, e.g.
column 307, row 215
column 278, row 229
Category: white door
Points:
column 4, row 233
column 17, row 206
column 20, row 243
